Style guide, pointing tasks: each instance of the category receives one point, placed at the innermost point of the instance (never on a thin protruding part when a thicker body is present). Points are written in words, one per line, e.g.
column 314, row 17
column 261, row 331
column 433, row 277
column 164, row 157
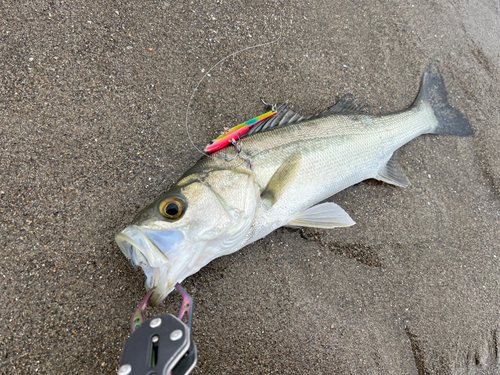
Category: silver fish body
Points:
column 233, row 198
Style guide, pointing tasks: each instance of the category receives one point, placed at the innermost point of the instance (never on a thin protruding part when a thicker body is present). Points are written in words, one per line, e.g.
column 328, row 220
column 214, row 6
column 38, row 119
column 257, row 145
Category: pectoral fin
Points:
column 282, row 179
column 392, row 173
column 325, row 215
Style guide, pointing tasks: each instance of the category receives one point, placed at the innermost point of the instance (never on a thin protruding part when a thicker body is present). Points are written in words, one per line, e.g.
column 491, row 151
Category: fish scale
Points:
column 349, row 150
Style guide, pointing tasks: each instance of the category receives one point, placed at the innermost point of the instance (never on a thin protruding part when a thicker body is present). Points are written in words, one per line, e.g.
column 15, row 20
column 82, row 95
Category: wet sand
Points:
column 93, row 101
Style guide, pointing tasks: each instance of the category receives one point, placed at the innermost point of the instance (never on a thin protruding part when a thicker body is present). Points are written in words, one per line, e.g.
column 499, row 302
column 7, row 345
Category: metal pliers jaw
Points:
column 162, row 345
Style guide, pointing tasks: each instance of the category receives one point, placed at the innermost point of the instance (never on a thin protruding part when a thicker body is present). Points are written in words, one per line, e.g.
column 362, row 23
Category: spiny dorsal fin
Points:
column 283, row 116
column 286, row 116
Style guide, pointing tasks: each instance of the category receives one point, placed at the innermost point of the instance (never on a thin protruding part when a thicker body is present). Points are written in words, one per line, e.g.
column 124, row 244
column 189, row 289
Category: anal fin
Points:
column 392, row 173
column 325, row 215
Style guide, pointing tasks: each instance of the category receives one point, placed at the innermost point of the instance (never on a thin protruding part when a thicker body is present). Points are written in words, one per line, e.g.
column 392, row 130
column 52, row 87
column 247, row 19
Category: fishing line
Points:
column 208, row 72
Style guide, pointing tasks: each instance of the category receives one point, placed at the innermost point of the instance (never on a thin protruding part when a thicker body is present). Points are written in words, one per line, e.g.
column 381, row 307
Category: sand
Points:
column 93, row 98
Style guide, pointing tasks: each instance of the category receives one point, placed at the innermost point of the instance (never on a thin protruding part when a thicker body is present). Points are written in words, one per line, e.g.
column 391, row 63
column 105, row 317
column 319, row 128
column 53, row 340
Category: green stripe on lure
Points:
column 236, row 132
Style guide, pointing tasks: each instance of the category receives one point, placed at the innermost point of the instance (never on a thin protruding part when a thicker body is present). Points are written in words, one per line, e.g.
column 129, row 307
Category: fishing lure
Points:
column 236, row 132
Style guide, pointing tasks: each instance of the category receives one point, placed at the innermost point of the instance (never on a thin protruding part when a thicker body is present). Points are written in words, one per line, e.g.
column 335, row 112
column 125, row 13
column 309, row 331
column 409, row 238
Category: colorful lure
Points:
column 236, row 132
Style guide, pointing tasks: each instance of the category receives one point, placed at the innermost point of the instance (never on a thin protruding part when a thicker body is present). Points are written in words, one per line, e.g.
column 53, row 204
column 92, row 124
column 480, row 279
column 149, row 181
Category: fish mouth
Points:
column 150, row 249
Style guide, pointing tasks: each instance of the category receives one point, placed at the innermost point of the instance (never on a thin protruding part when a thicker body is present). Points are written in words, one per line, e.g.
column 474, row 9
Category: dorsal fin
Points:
column 286, row 116
column 283, row 116
column 345, row 105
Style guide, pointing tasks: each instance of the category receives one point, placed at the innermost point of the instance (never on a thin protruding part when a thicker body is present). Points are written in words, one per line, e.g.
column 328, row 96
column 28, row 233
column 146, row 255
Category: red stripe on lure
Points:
column 236, row 132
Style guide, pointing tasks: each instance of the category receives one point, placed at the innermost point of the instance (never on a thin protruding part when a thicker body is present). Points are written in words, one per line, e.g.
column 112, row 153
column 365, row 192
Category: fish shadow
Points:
column 364, row 254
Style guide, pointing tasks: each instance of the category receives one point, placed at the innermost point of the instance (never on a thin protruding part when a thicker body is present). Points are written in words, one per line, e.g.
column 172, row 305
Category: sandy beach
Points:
column 93, row 100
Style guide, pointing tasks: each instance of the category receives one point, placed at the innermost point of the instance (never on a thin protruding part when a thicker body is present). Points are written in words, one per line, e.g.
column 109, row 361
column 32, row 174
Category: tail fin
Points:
column 450, row 120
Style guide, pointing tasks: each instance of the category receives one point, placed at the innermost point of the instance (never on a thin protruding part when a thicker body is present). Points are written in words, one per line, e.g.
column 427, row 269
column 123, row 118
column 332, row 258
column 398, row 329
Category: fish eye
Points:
column 172, row 208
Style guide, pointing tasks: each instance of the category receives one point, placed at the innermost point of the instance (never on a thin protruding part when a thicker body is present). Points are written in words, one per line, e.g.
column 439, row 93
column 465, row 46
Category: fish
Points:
column 277, row 174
